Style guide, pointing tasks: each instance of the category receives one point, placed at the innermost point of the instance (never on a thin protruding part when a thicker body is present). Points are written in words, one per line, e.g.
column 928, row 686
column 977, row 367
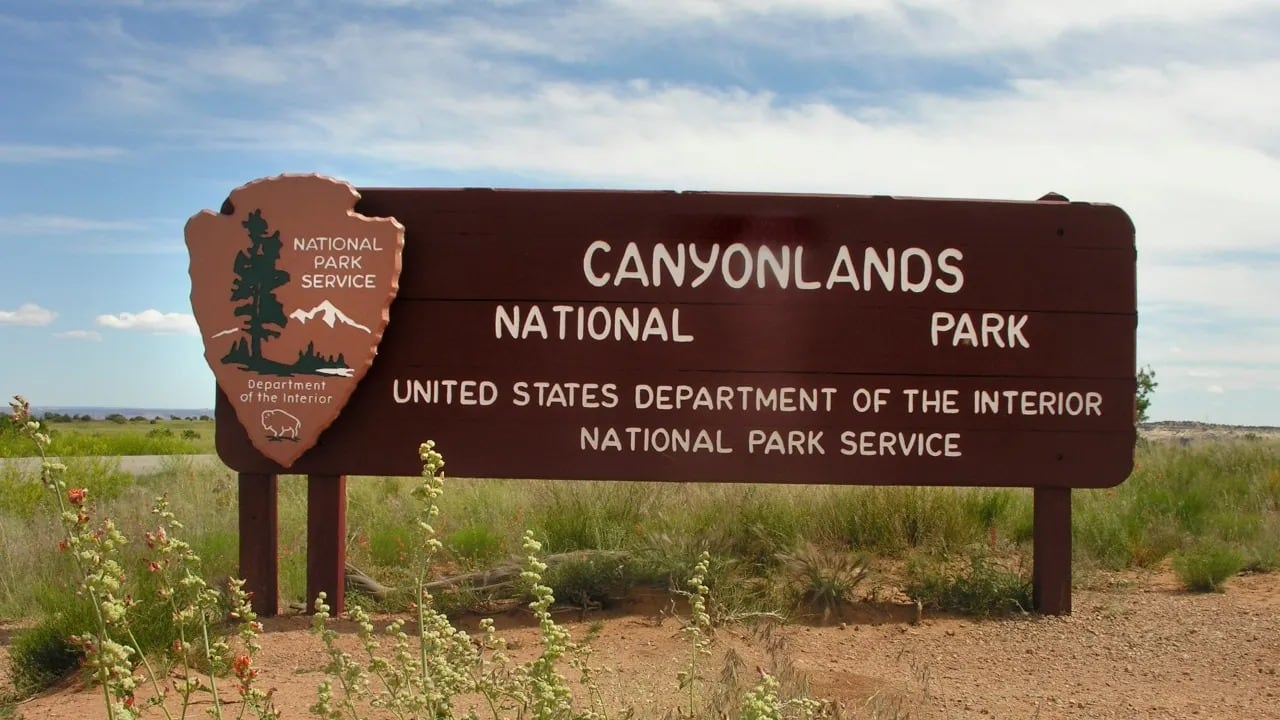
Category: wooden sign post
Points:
column 746, row 338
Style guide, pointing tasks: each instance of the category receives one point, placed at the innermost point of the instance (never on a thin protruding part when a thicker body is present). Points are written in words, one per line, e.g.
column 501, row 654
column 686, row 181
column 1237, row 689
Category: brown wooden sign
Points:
column 728, row 337
column 291, row 290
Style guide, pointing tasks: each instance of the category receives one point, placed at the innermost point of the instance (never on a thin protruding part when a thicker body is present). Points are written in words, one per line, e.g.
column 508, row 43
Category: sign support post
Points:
column 259, row 537
column 1051, row 551
column 326, row 540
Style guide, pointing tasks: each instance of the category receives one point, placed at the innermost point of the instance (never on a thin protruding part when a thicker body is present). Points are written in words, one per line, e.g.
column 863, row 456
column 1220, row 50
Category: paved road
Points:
column 133, row 464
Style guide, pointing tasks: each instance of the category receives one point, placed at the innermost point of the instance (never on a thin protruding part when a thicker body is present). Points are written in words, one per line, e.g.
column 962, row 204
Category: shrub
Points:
column 1206, row 566
column 475, row 544
column 596, row 580
column 43, row 654
column 821, row 579
column 978, row 585
column 114, row 621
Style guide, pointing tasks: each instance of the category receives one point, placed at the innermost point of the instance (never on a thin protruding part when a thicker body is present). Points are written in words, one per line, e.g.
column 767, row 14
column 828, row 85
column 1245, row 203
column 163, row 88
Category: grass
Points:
column 1225, row 492
column 976, row 584
column 1213, row 509
column 1205, row 566
column 80, row 438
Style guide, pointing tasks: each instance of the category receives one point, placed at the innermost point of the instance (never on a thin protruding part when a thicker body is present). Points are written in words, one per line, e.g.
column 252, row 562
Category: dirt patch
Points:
column 1136, row 647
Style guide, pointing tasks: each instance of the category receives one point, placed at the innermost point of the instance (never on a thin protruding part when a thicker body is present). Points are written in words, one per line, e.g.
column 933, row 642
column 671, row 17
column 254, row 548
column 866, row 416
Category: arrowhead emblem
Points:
column 292, row 290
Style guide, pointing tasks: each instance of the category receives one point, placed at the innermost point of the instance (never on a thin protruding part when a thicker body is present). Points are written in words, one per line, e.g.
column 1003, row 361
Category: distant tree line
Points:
column 57, row 417
column 63, row 417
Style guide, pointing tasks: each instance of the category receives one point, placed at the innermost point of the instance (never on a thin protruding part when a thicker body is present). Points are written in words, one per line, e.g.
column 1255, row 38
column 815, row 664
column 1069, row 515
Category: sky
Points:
column 119, row 119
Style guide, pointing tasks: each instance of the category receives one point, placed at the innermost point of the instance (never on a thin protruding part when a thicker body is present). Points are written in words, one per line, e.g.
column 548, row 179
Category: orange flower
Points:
column 241, row 667
column 76, row 495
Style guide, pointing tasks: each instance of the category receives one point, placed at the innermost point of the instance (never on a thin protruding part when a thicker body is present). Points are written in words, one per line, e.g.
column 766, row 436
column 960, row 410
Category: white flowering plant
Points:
column 112, row 655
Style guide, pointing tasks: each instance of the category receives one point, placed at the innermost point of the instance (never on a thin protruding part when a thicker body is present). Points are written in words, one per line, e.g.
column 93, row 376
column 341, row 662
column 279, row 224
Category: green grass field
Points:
column 80, row 438
column 772, row 545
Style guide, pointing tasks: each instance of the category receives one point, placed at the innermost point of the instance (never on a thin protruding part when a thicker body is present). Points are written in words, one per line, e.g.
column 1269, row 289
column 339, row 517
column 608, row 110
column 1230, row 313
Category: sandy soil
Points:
column 1136, row 647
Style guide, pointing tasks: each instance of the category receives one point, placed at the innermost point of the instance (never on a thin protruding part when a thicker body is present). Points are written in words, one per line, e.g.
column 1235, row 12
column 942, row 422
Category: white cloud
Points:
column 1216, row 389
column 85, row 335
column 948, row 26
column 1157, row 106
column 11, row 153
column 150, row 320
column 29, row 315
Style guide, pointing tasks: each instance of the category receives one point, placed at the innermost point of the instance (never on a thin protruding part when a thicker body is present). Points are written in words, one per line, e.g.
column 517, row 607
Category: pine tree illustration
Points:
column 257, row 278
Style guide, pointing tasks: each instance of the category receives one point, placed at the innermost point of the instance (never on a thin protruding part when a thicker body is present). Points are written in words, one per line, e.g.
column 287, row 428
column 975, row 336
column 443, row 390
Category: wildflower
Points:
column 242, row 666
column 76, row 496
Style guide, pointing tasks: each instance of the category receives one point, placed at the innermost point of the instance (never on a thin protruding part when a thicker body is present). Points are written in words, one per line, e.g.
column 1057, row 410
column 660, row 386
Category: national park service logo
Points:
column 291, row 289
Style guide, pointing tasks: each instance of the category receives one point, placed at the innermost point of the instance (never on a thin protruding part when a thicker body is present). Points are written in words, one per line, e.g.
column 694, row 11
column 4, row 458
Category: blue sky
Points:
column 121, row 118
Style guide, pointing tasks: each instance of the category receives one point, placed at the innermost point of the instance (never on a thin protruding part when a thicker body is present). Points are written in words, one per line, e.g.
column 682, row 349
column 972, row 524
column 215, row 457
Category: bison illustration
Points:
column 280, row 425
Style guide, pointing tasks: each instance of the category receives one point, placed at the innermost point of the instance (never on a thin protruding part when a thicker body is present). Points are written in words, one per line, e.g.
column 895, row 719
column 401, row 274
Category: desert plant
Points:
column 475, row 544
column 978, row 584
column 595, row 580
column 1205, row 566
column 107, row 640
column 426, row 674
column 44, row 653
column 823, row 579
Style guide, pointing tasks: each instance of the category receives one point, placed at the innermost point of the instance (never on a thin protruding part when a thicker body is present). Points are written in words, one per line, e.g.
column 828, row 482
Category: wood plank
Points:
column 259, row 538
column 326, row 540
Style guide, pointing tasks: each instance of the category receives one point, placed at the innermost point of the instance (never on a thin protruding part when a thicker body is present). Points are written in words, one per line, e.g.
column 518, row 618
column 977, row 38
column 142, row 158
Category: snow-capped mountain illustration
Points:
column 328, row 313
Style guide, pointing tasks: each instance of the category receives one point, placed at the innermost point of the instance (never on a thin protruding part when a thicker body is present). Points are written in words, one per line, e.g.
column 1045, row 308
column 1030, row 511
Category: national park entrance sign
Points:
column 663, row 336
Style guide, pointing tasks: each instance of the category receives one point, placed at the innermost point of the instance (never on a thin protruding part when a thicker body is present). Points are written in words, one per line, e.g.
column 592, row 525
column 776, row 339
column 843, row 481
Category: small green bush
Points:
column 43, row 654
column 475, row 544
column 1207, row 565
column 821, row 579
column 978, row 585
column 595, row 580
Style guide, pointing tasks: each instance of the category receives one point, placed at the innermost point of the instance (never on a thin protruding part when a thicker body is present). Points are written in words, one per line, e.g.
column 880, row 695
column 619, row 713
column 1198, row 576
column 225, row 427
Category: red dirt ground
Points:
column 1136, row 647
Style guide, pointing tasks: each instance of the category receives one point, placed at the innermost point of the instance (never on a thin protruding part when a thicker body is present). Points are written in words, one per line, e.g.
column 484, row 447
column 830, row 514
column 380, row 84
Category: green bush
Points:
column 822, row 580
column 890, row 520
column 1207, row 565
column 979, row 584
column 475, row 544
column 596, row 580
column 43, row 654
